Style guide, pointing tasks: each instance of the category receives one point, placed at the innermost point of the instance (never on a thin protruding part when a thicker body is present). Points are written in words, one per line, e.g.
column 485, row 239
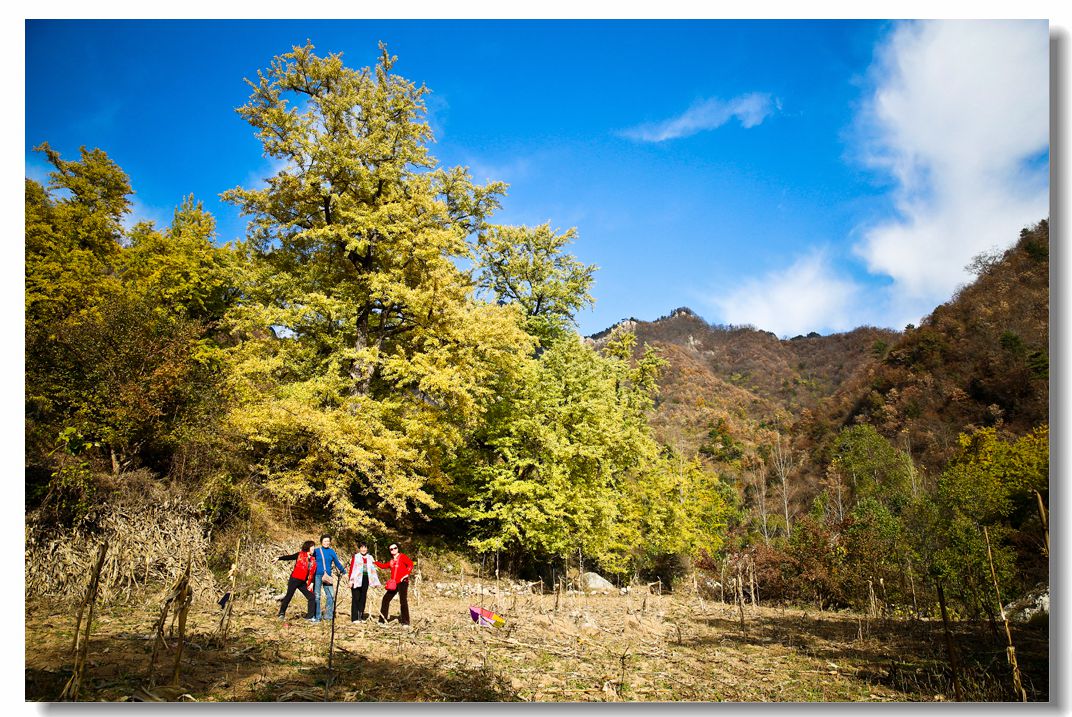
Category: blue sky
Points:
column 797, row 176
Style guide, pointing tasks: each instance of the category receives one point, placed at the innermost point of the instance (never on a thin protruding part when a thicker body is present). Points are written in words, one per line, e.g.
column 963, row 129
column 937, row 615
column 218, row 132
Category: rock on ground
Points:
column 1037, row 602
column 594, row 582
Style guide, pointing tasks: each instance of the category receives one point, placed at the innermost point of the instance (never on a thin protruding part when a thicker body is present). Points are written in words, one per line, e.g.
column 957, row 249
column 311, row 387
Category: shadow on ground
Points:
column 904, row 655
column 251, row 666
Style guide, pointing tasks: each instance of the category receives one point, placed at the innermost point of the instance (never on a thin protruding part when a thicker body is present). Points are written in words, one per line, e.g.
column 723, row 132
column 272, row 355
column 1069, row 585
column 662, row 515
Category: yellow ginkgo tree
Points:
column 364, row 357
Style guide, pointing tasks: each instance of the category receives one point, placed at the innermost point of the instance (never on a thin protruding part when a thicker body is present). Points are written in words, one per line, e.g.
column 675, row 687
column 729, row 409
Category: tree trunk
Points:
column 949, row 644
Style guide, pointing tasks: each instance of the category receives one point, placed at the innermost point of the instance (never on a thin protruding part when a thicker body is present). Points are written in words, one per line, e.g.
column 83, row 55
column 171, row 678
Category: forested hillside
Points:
column 380, row 359
column 875, row 454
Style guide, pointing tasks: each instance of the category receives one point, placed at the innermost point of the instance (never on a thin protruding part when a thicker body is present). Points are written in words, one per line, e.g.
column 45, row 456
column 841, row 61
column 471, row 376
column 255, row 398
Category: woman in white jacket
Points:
column 362, row 575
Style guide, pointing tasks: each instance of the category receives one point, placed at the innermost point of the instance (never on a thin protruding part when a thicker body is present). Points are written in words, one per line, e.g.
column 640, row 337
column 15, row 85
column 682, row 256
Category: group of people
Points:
column 313, row 568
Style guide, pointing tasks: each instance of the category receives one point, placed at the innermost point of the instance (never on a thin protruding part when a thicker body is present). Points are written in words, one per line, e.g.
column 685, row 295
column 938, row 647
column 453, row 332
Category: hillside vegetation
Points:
column 380, row 360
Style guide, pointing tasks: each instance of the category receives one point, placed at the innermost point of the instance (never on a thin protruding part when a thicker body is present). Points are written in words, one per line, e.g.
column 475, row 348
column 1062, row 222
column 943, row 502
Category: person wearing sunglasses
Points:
column 400, row 566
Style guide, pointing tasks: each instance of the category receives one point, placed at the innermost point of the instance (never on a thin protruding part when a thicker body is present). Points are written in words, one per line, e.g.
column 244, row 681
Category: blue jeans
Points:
column 330, row 591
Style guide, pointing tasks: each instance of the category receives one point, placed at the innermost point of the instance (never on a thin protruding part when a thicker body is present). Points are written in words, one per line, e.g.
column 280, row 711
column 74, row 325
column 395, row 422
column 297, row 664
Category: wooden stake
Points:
column 1045, row 521
column 721, row 586
column 158, row 639
column 752, row 580
column 80, row 648
column 949, row 644
column 912, row 583
column 1010, row 650
column 225, row 618
column 740, row 597
column 182, row 608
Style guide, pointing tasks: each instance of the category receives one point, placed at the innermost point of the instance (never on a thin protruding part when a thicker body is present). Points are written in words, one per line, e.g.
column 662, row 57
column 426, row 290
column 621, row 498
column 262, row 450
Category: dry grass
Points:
column 612, row 648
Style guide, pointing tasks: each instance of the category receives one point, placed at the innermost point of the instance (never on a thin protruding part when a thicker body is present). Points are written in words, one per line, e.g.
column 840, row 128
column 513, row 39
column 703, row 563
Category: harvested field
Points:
column 571, row 647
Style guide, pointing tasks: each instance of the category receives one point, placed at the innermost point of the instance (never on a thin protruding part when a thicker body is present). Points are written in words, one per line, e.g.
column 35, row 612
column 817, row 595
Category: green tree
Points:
column 559, row 449
column 527, row 266
column 119, row 349
column 182, row 266
column 875, row 468
column 73, row 234
column 988, row 483
column 567, row 464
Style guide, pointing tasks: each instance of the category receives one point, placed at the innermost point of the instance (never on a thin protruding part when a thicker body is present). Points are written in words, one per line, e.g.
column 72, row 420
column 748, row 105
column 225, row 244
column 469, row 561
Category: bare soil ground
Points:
column 554, row 648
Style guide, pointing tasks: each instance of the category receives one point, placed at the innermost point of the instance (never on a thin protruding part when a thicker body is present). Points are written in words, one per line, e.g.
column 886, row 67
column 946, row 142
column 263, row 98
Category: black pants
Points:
column 403, row 617
column 358, row 596
column 292, row 585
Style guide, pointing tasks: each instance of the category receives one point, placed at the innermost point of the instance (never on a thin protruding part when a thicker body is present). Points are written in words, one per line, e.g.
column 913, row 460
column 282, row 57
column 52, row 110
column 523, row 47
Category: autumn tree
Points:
column 120, row 351
column 366, row 358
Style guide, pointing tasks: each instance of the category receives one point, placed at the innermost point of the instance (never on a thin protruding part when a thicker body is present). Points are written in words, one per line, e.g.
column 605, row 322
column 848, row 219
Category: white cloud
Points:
column 958, row 117
column 958, row 110
column 807, row 296
column 750, row 110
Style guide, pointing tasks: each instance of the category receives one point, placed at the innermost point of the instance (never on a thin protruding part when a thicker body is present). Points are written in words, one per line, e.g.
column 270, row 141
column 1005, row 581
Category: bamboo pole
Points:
column 1011, row 649
column 80, row 648
column 331, row 645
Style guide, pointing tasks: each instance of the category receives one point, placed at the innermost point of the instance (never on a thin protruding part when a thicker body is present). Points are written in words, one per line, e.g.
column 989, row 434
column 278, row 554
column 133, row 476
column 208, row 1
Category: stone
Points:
column 593, row 582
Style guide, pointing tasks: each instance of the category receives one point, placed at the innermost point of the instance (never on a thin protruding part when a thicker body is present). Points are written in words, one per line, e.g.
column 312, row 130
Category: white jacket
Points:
column 355, row 570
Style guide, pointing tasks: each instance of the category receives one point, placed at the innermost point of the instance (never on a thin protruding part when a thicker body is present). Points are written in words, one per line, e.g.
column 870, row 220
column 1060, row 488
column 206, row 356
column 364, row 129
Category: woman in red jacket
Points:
column 300, row 579
column 400, row 566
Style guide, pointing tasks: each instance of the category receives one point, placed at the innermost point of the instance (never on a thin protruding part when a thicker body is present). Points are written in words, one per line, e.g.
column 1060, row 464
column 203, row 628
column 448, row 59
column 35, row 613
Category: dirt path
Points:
column 614, row 648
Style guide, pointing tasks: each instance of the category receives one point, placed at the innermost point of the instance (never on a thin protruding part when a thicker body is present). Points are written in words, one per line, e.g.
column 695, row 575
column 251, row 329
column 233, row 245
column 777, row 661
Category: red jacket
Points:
column 304, row 567
column 400, row 567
